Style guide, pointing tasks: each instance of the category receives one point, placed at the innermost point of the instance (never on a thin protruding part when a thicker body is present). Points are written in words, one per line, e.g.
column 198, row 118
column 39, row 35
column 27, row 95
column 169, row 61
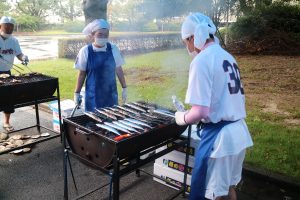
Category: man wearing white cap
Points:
column 9, row 48
column 217, row 100
column 98, row 64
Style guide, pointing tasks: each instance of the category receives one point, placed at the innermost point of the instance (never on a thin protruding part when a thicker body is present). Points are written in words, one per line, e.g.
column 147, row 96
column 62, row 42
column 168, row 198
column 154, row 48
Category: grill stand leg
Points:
column 71, row 170
column 65, row 175
column 137, row 171
column 110, row 185
column 59, row 114
column 186, row 160
column 36, row 105
column 116, row 178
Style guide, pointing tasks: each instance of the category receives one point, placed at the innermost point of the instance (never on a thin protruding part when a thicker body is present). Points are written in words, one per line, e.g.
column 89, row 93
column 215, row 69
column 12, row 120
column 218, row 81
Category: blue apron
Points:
column 208, row 137
column 101, row 87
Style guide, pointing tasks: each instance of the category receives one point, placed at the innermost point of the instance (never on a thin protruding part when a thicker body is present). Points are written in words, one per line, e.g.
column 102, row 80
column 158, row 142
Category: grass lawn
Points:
column 271, row 83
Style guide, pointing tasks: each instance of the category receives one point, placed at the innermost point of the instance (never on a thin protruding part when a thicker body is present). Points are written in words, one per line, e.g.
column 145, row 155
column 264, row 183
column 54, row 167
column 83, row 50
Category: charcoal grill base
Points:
column 115, row 171
column 36, row 100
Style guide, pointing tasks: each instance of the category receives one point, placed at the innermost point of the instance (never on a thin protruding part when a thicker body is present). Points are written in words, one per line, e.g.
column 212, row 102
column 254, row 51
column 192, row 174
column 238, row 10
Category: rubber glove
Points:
column 179, row 118
column 124, row 95
column 77, row 98
column 25, row 59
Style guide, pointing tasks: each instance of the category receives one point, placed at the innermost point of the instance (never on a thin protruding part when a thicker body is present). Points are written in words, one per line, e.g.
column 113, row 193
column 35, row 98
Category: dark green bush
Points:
column 28, row 23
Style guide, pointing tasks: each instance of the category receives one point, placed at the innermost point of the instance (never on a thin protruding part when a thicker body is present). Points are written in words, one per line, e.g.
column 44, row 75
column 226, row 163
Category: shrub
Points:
column 274, row 28
column 28, row 23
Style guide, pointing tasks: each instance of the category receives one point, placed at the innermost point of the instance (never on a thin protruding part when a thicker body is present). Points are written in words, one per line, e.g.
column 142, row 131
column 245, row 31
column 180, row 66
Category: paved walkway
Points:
column 39, row 175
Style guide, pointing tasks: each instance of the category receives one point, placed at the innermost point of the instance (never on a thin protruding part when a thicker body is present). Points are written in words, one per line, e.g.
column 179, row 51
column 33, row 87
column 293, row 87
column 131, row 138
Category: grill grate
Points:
column 23, row 79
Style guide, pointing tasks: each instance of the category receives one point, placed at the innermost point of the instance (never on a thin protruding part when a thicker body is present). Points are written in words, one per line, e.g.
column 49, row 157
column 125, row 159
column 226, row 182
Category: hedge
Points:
column 129, row 45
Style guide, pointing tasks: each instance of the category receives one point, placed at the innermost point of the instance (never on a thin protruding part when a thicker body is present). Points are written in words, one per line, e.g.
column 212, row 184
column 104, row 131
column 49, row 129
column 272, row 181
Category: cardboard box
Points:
column 176, row 160
column 195, row 140
column 170, row 176
column 66, row 107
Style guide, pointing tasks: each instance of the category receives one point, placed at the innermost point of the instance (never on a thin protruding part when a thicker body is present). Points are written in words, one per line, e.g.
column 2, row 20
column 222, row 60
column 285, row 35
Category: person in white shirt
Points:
column 216, row 95
column 9, row 48
column 99, row 63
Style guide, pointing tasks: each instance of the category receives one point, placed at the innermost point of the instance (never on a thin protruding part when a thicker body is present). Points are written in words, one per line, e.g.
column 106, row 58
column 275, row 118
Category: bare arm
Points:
column 196, row 114
column 121, row 77
column 20, row 56
column 80, row 80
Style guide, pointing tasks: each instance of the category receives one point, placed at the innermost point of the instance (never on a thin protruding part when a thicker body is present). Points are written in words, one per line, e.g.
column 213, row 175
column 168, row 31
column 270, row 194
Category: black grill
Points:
column 99, row 146
column 27, row 88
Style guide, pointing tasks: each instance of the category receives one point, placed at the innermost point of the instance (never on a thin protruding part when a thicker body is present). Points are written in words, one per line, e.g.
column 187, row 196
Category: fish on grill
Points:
column 93, row 116
column 4, row 75
column 131, row 124
column 138, row 122
column 128, row 110
column 108, row 128
column 117, row 127
column 135, row 107
column 162, row 112
column 143, row 105
column 125, row 126
column 113, row 113
column 106, row 114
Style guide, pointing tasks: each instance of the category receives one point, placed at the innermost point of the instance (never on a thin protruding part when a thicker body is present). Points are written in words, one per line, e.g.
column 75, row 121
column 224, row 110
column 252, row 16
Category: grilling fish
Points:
column 125, row 126
column 163, row 113
column 137, row 122
column 131, row 124
column 128, row 110
column 145, row 106
column 108, row 128
column 106, row 114
column 93, row 116
column 135, row 107
column 113, row 113
column 116, row 127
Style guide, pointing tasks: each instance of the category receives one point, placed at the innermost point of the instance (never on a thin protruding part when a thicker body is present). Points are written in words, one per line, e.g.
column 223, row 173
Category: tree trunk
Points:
column 94, row 9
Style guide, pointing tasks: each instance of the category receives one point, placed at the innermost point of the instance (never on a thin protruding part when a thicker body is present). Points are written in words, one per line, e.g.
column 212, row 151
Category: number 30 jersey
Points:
column 214, row 81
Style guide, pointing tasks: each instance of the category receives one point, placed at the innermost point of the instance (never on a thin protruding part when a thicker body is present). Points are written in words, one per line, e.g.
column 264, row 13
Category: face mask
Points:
column 5, row 35
column 192, row 54
column 101, row 41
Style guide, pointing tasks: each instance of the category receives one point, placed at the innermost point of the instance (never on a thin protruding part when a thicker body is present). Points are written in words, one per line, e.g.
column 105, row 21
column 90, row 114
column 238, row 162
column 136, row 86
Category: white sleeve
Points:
column 200, row 84
column 18, row 50
column 117, row 56
column 81, row 59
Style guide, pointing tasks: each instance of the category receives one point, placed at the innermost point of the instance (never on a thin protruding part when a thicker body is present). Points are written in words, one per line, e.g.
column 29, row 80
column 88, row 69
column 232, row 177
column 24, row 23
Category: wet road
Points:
column 41, row 47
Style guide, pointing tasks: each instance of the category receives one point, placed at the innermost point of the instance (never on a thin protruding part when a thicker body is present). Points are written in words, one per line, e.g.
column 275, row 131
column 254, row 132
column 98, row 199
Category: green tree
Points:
column 68, row 9
column 4, row 7
column 36, row 8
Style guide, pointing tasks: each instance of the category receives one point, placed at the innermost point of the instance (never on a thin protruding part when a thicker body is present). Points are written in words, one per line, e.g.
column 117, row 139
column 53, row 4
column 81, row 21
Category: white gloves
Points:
column 77, row 98
column 25, row 60
column 179, row 118
column 124, row 95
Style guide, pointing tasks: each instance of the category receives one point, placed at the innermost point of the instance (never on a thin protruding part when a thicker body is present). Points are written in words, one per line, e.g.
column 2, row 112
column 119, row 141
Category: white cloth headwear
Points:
column 7, row 20
column 198, row 25
column 95, row 25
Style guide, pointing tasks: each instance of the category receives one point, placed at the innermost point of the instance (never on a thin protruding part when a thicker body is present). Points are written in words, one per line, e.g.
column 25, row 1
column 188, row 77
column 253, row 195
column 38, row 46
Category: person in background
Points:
column 217, row 100
column 98, row 64
column 9, row 48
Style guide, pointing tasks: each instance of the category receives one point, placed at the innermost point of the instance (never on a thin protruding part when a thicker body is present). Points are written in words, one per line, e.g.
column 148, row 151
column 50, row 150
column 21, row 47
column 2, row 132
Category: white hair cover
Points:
column 95, row 25
column 198, row 25
column 7, row 20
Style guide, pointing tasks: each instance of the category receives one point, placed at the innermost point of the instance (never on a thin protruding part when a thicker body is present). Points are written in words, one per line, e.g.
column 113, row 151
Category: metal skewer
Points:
column 7, row 62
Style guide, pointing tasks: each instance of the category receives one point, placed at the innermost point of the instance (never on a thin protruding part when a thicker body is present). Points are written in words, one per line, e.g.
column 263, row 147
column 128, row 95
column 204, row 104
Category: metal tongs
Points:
column 15, row 66
column 25, row 63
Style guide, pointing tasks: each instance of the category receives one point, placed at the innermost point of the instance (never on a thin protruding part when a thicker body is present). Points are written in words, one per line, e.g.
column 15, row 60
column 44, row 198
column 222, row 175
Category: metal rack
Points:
column 36, row 103
column 116, row 169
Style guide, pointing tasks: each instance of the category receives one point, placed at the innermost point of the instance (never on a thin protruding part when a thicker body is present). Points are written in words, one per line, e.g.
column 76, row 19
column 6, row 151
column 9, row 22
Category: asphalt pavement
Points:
column 39, row 174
